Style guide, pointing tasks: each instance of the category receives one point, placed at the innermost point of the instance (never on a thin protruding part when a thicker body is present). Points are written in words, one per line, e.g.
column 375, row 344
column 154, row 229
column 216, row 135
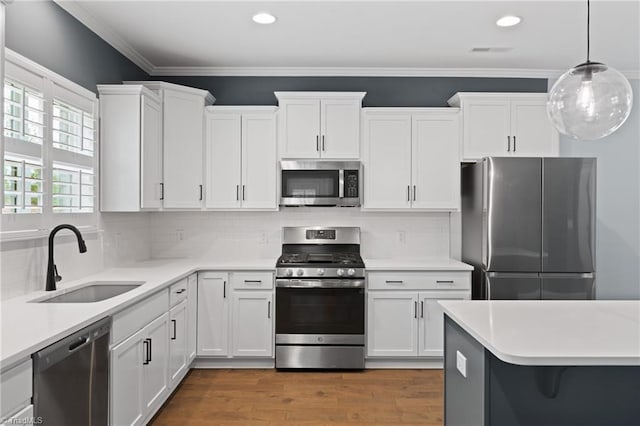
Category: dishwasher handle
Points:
column 68, row 346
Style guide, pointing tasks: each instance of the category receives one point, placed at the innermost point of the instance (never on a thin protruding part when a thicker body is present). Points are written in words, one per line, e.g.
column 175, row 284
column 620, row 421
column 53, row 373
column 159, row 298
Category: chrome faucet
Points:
column 52, row 272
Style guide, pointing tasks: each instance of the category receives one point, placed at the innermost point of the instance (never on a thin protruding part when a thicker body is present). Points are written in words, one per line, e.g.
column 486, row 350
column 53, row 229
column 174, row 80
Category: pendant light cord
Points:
column 588, row 29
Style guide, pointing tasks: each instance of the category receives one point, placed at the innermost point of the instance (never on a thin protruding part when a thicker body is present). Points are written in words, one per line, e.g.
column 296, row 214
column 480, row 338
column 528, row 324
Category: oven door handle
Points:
column 324, row 283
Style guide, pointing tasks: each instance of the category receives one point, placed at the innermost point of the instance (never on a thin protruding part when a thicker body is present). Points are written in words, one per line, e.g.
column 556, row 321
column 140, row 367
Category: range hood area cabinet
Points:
column 241, row 163
column 505, row 124
column 182, row 142
column 411, row 159
column 130, row 148
column 319, row 124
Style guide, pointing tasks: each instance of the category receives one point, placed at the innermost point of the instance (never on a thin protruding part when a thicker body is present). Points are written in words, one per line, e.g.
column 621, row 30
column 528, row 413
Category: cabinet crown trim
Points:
column 315, row 95
column 160, row 85
column 126, row 89
column 456, row 99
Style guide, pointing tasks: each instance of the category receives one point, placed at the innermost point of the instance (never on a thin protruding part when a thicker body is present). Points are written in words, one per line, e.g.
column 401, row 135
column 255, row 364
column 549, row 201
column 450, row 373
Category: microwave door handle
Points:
column 341, row 183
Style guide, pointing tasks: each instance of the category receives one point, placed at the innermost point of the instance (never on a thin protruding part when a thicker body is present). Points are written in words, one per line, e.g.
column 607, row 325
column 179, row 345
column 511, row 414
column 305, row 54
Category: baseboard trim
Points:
column 261, row 363
column 404, row 364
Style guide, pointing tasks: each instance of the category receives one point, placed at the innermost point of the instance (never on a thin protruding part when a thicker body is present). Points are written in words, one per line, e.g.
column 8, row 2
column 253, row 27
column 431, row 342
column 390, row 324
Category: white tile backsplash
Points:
column 229, row 235
column 123, row 238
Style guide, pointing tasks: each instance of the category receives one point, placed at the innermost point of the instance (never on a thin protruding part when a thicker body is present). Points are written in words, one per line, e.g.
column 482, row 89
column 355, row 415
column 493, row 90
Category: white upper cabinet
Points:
column 130, row 148
column 411, row 158
column 183, row 143
column 505, row 124
column 241, row 158
column 320, row 124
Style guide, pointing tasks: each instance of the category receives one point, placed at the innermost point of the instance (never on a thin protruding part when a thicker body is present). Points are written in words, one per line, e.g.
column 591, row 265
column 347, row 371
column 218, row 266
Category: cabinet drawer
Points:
column 132, row 319
column 178, row 292
column 251, row 280
column 419, row 280
column 15, row 388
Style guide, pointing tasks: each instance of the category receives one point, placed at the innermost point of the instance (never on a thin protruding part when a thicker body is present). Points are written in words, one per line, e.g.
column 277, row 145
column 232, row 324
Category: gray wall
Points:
column 43, row 32
column 618, row 204
column 381, row 91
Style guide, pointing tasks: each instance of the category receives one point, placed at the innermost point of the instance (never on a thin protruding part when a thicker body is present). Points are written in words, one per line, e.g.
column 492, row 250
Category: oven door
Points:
column 320, row 315
column 320, row 183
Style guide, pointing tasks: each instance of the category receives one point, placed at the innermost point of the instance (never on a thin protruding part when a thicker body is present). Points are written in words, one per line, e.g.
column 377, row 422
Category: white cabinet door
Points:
column 151, row 167
column 486, row 128
column 387, row 161
column 392, row 325
column 224, row 160
column 435, row 161
column 252, row 323
column 340, row 128
column 192, row 316
column 177, row 342
column 259, row 161
column 213, row 314
column 128, row 359
column 155, row 372
column 431, row 326
column 531, row 130
column 183, row 146
column 301, row 128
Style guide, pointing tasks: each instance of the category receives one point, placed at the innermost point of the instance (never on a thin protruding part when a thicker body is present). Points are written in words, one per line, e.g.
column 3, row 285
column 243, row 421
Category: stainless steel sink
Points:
column 94, row 291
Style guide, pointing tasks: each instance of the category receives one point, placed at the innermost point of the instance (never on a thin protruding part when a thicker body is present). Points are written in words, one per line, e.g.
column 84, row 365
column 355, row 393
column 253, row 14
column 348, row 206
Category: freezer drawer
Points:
column 568, row 287
column 502, row 286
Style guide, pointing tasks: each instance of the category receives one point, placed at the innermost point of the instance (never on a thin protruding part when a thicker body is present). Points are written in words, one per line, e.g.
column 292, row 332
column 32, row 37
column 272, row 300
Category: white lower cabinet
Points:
column 192, row 317
column 404, row 318
column 213, row 314
column 178, row 342
column 139, row 380
column 252, row 323
column 235, row 314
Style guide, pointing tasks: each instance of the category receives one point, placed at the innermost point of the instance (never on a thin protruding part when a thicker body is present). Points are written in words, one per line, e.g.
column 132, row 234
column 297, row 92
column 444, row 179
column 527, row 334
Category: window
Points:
column 50, row 144
column 23, row 113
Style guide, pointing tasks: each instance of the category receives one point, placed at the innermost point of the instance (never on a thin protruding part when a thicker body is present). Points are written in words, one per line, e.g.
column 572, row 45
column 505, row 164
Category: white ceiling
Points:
column 364, row 37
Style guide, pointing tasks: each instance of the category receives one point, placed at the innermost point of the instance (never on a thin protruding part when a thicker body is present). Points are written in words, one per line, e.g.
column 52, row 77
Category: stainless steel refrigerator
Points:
column 528, row 227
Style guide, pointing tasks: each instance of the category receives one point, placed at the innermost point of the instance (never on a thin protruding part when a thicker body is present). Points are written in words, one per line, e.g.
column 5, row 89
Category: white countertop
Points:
column 554, row 332
column 28, row 327
column 419, row 264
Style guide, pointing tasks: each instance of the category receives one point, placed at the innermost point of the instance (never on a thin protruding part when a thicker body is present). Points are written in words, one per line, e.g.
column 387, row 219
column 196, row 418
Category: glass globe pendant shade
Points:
column 590, row 101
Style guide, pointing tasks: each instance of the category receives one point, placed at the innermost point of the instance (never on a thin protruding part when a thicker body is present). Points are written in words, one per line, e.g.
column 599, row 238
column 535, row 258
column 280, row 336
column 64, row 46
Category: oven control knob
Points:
column 320, row 271
column 351, row 272
column 340, row 272
column 299, row 272
column 289, row 272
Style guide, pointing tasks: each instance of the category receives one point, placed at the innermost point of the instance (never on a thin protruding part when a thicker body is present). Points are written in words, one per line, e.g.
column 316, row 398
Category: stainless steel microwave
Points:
column 320, row 183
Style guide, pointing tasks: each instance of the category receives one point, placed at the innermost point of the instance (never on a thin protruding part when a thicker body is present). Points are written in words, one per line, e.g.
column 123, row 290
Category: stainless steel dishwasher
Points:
column 71, row 378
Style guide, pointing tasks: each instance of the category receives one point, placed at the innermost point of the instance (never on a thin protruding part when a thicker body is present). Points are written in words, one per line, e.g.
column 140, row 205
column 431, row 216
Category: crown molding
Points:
column 106, row 33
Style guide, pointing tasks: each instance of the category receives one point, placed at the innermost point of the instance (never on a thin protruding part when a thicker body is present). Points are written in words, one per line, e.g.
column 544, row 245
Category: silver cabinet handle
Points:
column 318, row 143
column 514, row 144
column 394, row 281
column 173, row 322
column 237, row 192
column 422, row 309
column 415, row 309
column 269, row 309
column 508, row 143
column 323, row 143
column 414, row 192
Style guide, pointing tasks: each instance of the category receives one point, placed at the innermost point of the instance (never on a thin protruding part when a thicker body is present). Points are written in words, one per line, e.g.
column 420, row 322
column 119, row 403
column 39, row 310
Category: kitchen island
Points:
column 532, row 363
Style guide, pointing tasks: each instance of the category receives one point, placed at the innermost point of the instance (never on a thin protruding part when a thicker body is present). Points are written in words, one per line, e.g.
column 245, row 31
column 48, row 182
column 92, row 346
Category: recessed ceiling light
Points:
column 264, row 18
column 508, row 21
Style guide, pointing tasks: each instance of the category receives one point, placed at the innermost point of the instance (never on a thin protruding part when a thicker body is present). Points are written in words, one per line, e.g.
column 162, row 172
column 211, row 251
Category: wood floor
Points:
column 270, row 397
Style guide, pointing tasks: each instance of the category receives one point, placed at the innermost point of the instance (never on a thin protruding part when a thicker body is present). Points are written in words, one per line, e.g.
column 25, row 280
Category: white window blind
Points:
column 73, row 189
column 23, row 113
column 23, row 185
column 73, row 129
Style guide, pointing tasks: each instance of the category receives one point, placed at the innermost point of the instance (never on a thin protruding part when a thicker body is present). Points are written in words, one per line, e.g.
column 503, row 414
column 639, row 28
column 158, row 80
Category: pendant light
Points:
column 591, row 100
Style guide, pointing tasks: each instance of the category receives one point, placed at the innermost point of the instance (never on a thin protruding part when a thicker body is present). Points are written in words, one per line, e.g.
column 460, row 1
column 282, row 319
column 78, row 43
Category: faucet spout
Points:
column 52, row 271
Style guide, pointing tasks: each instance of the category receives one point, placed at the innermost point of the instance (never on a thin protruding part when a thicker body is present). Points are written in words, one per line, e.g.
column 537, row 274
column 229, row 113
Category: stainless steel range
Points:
column 320, row 299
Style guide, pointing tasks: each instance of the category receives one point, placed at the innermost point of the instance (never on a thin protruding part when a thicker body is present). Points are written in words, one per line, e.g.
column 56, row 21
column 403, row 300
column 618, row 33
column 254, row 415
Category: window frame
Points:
column 23, row 71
